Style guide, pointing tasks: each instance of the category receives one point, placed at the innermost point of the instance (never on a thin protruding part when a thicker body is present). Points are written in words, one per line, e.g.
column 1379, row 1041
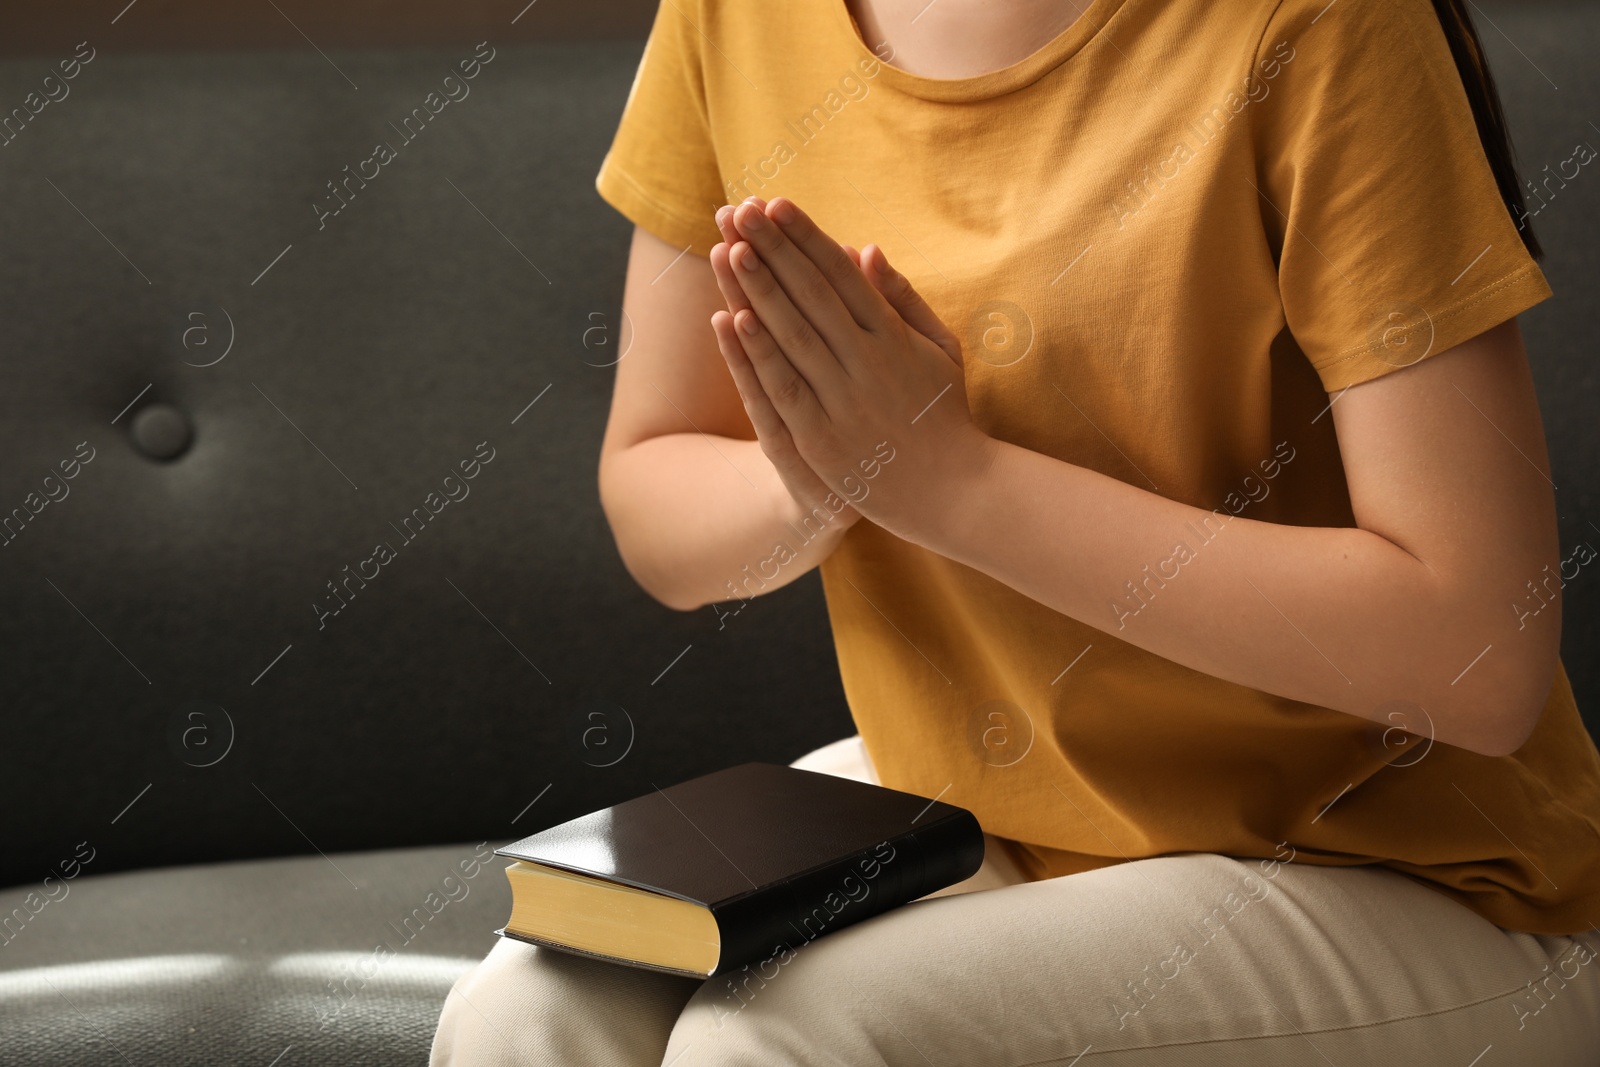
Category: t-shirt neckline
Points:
column 1062, row 47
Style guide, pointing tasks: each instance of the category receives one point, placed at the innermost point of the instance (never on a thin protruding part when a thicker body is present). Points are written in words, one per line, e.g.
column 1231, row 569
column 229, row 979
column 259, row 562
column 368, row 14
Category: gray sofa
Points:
column 252, row 767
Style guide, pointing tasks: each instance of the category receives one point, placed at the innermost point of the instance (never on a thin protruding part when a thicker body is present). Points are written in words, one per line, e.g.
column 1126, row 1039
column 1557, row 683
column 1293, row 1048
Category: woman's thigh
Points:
column 1194, row 959
column 529, row 1006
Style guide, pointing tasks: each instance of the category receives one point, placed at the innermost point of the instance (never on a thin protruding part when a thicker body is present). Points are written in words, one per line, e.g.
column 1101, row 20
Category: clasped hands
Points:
column 840, row 363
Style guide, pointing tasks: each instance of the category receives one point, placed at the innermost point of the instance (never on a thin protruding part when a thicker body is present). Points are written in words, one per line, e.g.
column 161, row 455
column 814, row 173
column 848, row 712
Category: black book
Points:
column 733, row 867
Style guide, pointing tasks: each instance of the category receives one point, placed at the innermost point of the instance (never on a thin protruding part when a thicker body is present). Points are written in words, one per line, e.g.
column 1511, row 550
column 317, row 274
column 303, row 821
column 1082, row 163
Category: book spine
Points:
column 782, row 919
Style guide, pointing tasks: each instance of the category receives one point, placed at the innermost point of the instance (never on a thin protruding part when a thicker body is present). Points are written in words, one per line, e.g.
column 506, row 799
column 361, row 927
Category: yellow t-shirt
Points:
column 1165, row 239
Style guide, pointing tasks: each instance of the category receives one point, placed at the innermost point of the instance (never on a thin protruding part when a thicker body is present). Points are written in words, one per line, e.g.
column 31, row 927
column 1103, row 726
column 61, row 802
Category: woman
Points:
column 1182, row 508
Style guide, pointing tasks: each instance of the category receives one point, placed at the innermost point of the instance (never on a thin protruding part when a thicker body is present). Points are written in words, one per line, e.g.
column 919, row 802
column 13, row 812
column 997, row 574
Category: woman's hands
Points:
column 853, row 385
column 814, row 499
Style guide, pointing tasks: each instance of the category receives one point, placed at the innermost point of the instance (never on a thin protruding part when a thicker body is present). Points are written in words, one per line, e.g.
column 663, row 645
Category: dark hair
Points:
column 1473, row 66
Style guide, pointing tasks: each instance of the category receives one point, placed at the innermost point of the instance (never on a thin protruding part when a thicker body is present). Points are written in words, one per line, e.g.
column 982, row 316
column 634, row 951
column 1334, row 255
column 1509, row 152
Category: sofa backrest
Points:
column 194, row 637
column 1542, row 56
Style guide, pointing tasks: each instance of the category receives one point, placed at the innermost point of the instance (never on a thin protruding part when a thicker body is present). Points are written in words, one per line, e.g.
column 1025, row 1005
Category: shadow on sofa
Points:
column 249, row 791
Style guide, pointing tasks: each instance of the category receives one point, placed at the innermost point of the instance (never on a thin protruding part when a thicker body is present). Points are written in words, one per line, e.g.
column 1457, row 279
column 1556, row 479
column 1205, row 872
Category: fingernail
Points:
column 755, row 219
column 722, row 213
column 784, row 212
column 748, row 324
column 747, row 260
column 883, row 267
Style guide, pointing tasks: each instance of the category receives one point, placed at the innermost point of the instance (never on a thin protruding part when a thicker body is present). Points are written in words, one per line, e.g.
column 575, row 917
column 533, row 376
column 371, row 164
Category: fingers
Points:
column 774, row 393
column 764, row 418
column 732, row 294
column 831, row 261
column 806, row 287
column 724, row 217
column 896, row 288
column 777, row 443
column 782, row 328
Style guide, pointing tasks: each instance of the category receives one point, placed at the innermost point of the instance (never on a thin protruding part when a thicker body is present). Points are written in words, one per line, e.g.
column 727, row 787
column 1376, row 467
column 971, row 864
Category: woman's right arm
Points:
column 691, row 498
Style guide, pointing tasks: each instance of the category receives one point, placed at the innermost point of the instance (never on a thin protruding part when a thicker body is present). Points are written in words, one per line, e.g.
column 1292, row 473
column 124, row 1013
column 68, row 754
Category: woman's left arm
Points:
column 1449, row 485
column 1445, row 460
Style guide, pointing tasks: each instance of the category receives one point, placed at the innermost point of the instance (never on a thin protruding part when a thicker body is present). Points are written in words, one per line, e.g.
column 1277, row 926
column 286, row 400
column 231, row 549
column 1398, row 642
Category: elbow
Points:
column 657, row 585
column 660, row 590
column 1501, row 718
column 1506, row 725
column 662, row 594
column 1505, row 736
column 1493, row 668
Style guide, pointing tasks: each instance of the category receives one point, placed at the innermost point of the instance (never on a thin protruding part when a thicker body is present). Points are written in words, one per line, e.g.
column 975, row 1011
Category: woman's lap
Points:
column 1191, row 959
column 532, row 1006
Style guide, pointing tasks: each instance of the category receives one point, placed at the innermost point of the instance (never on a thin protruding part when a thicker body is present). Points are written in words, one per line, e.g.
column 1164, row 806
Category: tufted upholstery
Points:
column 378, row 354
column 181, row 687
column 177, row 686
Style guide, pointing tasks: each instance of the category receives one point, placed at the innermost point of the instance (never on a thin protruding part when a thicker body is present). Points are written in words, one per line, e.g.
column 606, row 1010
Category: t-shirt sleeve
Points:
column 1395, row 242
column 661, row 171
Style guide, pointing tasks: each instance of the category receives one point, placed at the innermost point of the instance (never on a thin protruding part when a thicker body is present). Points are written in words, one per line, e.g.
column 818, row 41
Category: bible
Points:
column 714, row 873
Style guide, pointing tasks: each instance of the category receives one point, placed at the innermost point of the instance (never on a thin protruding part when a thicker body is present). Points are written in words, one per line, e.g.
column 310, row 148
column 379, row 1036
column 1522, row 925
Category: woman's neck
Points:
column 961, row 38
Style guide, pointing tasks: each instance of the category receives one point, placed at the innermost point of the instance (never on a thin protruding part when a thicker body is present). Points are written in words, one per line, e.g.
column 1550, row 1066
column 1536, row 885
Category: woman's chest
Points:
column 1099, row 250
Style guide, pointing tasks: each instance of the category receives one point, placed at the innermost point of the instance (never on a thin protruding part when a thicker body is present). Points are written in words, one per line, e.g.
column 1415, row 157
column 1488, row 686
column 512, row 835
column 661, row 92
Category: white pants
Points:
column 1193, row 959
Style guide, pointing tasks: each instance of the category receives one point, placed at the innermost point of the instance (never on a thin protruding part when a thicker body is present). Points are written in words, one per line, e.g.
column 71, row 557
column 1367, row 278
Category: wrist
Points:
column 824, row 522
column 957, row 512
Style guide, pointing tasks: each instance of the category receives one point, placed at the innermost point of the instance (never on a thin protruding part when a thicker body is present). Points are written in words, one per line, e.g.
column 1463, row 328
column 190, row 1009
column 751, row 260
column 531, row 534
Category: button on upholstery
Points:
column 161, row 431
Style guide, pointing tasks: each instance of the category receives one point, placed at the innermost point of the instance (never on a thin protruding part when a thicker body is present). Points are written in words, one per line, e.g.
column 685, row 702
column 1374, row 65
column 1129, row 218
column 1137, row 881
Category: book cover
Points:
column 778, row 855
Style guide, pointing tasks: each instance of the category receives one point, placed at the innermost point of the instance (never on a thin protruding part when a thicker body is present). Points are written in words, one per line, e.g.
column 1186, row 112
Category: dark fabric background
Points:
column 1551, row 94
column 397, row 338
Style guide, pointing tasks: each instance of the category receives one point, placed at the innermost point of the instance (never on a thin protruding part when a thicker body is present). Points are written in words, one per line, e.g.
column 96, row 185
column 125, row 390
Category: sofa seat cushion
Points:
column 345, row 958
